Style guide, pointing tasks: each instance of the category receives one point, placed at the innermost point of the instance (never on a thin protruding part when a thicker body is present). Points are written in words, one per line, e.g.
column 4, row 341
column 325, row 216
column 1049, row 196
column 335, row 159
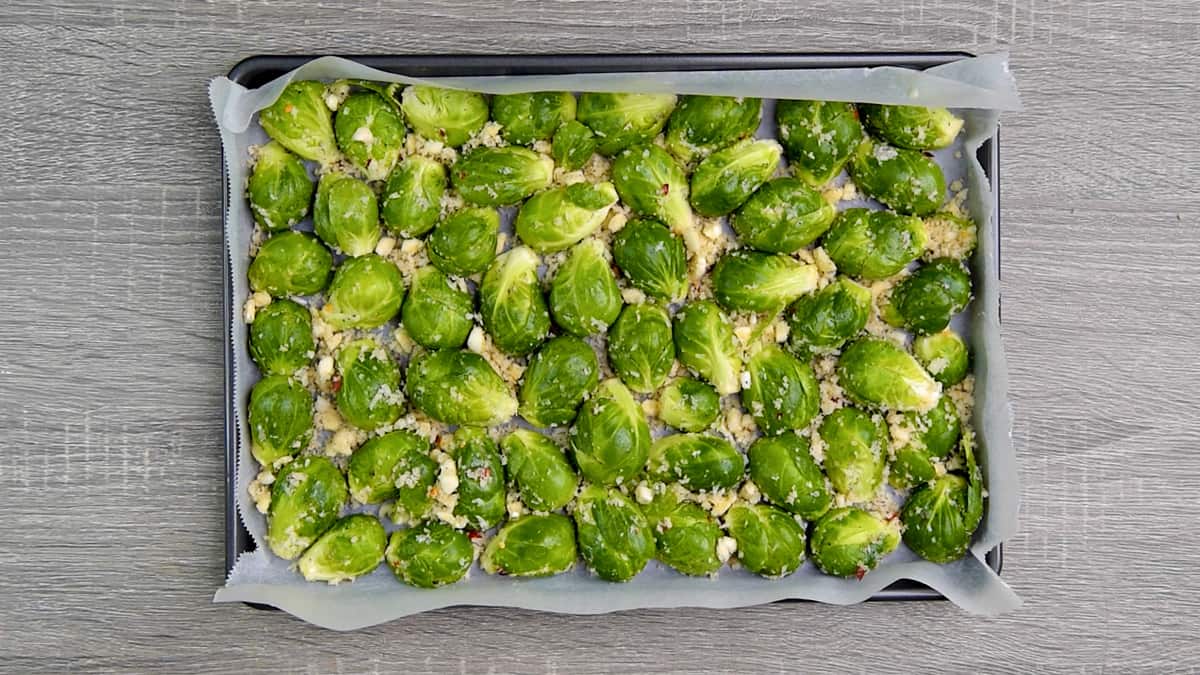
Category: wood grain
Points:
column 111, row 464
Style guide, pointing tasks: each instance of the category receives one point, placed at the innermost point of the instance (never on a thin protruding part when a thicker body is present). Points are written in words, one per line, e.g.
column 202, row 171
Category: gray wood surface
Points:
column 111, row 462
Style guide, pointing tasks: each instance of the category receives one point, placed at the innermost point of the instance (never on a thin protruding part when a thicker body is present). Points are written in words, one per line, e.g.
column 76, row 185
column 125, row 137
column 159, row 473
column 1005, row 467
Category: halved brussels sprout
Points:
column 533, row 116
column 350, row 548
column 281, row 340
column 459, row 387
column 611, row 437
column 451, row 116
column 823, row 321
column 531, row 546
column 511, row 303
column 370, row 133
column 573, row 145
column 556, row 219
column 540, row 470
column 395, row 466
column 874, row 244
column 855, row 452
column 943, row 354
column 346, row 214
column 370, row 394
column 783, row 393
column 770, row 542
column 785, row 472
column 818, row 137
column 727, row 178
column 501, row 176
column 701, row 125
column 412, row 197
column 438, row 313
column 584, row 297
column 704, row 342
column 911, row 126
column 429, row 555
column 696, row 461
column 306, row 497
column 615, row 539
column 290, row 263
column 685, row 534
column 301, row 122
column 279, row 417
column 849, row 542
column 560, row 375
column 782, row 216
column 481, row 493
column 927, row 299
column 879, row 374
column 933, row 435
column 366, row 292
column 653, row 259
column 623, row 120
column 940, row 516
column 760, row 282
column 465, row 242
column 640, row 348
column 279, row 189
column 901, row 179
column 653, row 184
column 688, row 405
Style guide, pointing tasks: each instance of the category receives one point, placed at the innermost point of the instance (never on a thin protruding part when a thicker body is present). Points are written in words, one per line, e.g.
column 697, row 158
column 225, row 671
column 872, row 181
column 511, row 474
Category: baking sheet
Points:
column 982, row 85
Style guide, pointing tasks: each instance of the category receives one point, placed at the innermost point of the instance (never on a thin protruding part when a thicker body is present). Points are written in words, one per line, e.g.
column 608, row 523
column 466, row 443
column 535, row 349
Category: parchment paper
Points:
column 978, row 87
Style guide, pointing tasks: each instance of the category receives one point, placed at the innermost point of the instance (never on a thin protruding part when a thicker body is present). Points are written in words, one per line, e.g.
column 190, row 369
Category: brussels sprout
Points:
column 465, row 242
column 366, row 292
column 855, row 452
column 904, row 180
column 541, row 472
column 950, row 236
column 688, row 405
column 823, row 321
column 760, row 282
column 301, row 122
column 818, row 137
column 352, row 547
column 279, row 189
column 501, row 176
column 848, row 541
column 290, row 263
column 396, row 466
column 696, row 461
column 281, row 340
column 556, row 219
column 770, row 542
column 560, row 375
column 535, row 545
column 932, row 436
column 653, row 259
column 782, row 216
column 459, row 387
column 879, row 374
column 370, row 133
column 940, row 517
column 727, row 178
column 911, row 126
column 280, row 418
column 702, row 124
column 306, row 497
column 785, row 472
column 529, row 117
column 429, row 555
column 346, row 214
column 943, row 354
column 653, row 184
column 573, row 145
column 611, row 437
column 584, row 297
column 704, row 342
column 412, row 197
column 640, row 348
column 931, row 295
column 873, row 244
column 481, row 494
column 447, row 115
column 684, row 533
column 783, row 393
column 370, row 395
column 511, row 303
column 623, row 120
column 615, row 539
column 438, row 313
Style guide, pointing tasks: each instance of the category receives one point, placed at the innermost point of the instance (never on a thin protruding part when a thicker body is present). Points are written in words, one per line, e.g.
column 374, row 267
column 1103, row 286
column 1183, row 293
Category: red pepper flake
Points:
column 288, row 108
column 336, row 384
column 441, row 132
column 486, row 472
column 854, row 111
column 860, row 572
column 665, row 189
column 474, row 534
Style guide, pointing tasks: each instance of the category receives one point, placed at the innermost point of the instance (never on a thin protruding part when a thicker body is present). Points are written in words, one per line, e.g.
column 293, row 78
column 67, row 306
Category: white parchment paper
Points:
column 979, row 88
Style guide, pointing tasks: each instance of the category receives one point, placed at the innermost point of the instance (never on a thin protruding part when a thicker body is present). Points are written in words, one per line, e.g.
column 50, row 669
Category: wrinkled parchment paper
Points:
column 978, row 88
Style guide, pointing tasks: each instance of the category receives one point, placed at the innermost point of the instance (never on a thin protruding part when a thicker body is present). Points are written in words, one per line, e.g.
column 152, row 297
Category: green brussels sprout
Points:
column 350, row 548
column 573, row 145
column 290, row 263
column 823, row 321
column 540, row 470
column 818, row 137
column 459, row 387
column 447, row 115
column 395, row 466
column 696, row 461
column 783, row 393
column 640, row 348
column 557, row 219
column 438, row 313
column 653, row 259
column 481, row 494
column 927, row 299
column 950, row 236
column 534, row 545
column 346, row 214
column 301, row 122
column 501, row 176
column 279, row 189
column 281, row 340
column 689, row 405
column 943, row 354
column 429, row 555
column 701, row 125
column 879, row 374
column 903, row 180
column 615, row 539
column 727, row 178
column 785, row 472
column 873, row 244
column 611, row 438
column 280, row 418
column 366, row 292
column 511, row 303
column 760, row 282
column 306, row 498
column 685, row 534
column 412, row 196
column 370, row 395
column 770, row 542
column 704, row 342
column 533, row 116
column 584, row 297
column 848, row 541
column 370, row 133
column 653, row 184
column 940, row 516
column 560, row 375
column 855, row 452
column 911, row 126
column 624, row 120
column 932, row 436
column 465, row 242
column 782, row 216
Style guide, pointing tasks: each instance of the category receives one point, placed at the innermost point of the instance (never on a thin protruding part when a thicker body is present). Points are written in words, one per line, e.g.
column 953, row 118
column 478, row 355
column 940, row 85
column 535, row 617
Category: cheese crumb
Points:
column 385, row 246
column 643, row 493
column 260, row 490
column 327, row 417
column 749, row 492
column 650, row 407
column 343, row 442
column 726, row 547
